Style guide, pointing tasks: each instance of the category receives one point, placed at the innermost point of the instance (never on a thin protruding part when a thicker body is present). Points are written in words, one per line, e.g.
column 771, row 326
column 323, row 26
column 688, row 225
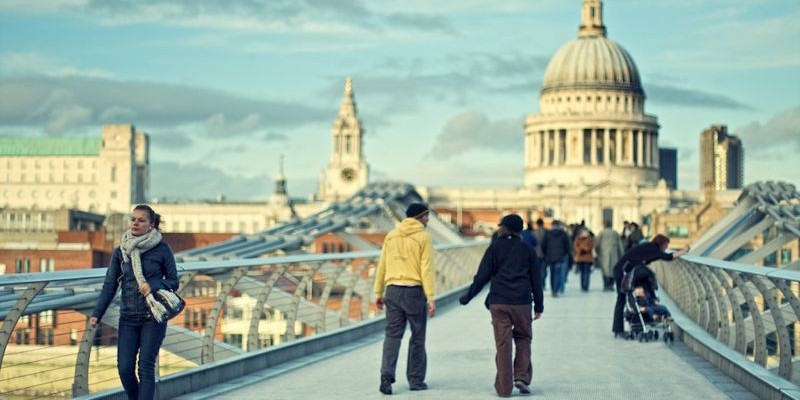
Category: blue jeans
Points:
column 139, row 334
column 586, row 272
column 557, row 271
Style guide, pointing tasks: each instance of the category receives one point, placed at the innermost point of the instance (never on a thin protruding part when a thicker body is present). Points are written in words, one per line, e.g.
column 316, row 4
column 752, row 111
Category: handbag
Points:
column 174, row 306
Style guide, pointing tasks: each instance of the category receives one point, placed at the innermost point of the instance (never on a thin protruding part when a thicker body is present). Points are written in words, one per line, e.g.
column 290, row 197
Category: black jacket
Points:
column 641, row 255
column 556, row 245
column 158, row 267
column 512, row 267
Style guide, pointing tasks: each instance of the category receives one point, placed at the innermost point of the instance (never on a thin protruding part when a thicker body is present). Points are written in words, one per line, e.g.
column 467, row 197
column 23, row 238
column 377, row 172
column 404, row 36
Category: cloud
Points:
column 473, row 130
column 35, row 63
column 172, row 140
column 197, row 181
column 692, row 98
column 780, row 131
column 403, row 85
column 64, row 104
column 317, row 16
column 274, row 137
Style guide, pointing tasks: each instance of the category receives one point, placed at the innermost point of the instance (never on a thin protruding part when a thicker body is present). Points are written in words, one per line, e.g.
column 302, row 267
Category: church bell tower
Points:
column 347, row 170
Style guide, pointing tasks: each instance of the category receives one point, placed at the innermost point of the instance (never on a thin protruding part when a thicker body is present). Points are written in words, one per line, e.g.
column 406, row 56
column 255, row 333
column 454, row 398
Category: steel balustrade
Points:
column 265, row 301
column 754, row 310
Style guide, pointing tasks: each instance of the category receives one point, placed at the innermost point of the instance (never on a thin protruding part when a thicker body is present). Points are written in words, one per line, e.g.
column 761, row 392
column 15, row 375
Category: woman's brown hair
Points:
column 154, row 217
column 662, row 241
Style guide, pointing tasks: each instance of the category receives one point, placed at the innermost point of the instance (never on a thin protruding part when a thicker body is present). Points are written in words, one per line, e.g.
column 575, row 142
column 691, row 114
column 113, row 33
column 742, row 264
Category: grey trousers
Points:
column 405, row 303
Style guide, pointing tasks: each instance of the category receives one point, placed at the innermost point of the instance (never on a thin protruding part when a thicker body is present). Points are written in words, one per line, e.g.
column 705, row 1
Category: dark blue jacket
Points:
column 513, row 269
column 158, row 267
column 556, row 245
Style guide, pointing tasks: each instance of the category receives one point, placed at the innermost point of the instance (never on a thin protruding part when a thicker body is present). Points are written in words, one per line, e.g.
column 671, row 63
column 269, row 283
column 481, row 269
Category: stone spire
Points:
column 280, row 180
column 592, row 19
column 348, row 107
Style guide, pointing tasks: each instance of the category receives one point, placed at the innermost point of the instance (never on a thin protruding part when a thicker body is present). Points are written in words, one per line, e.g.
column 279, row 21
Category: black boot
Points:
column 386, row 385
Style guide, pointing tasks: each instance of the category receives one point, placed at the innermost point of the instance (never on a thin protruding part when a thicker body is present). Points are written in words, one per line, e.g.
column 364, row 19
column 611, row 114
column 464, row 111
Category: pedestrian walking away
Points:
column 557, row 249
column 516, row 280
column 145, row 268
column 584, row 256
column 609, row 249
column 404, row 284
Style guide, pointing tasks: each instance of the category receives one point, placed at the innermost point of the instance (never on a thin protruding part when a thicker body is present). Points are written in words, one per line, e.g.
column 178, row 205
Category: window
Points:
column 786, row 256
column 677, row 231
column 22, row 336
column 73, row 337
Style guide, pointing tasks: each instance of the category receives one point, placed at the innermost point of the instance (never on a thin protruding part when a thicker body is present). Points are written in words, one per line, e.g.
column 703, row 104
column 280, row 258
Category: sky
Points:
column 224, row 87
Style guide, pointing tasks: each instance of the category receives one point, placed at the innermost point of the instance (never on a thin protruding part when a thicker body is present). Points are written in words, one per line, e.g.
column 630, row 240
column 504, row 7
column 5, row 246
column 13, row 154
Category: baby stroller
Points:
column 643, row 325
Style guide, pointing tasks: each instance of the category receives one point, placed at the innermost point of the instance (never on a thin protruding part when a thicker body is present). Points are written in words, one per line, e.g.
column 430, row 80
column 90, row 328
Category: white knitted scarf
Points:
column 132, row 248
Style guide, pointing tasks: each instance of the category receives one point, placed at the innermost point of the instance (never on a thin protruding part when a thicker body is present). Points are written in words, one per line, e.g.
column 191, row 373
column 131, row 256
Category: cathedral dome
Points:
column 592, row 62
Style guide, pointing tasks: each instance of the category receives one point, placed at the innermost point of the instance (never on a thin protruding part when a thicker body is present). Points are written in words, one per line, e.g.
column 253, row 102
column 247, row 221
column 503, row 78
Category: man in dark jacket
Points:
column 512, row 268
column 557, row 249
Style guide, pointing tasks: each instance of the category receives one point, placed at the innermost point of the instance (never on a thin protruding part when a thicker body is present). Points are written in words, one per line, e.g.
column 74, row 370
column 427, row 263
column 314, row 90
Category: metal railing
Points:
column 234, row 307
column 752, row 310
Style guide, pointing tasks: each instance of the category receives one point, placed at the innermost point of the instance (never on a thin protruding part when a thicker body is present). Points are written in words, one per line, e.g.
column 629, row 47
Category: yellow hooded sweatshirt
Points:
column 406, row 259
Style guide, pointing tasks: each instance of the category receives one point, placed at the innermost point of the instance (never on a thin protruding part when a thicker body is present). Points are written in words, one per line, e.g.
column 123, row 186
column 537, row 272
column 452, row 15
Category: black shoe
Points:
column 386, row 386
column 420, row 386
column 523, row 388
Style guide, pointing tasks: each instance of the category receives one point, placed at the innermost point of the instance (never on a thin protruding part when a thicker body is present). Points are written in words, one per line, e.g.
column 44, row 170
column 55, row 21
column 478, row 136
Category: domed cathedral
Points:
column 591, row 127
column 591, row 153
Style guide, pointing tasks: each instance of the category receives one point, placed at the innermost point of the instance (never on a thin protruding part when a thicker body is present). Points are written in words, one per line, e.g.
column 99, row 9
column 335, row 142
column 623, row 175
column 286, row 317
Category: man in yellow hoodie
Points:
column 404, row 283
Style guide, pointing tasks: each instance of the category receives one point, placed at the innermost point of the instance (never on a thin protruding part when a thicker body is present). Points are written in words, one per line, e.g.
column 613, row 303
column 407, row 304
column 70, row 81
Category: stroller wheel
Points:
column 655, row 335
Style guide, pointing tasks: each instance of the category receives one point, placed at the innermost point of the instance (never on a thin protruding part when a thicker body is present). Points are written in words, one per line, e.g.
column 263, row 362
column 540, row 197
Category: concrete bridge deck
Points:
column 574, row 356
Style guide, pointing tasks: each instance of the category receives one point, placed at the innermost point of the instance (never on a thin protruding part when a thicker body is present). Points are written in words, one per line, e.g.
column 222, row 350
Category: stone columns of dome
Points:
column 655, row 150
column 541, row 147
column 631, row 146
column 549, row 149
column 643, row 149
column 640, row 148
column 606, row 146
column 556, row 148
column 593, row 147
column 648, row 155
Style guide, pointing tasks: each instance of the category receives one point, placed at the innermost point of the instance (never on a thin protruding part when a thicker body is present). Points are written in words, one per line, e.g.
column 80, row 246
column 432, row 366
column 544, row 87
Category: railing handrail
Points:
column 196, row 266
column 768, row 272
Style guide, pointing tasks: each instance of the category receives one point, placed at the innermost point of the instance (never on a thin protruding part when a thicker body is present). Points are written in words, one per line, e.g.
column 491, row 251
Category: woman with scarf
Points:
column 144, row 266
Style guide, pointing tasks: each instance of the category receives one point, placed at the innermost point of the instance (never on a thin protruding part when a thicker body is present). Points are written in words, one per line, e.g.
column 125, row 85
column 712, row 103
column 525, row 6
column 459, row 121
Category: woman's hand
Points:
column 93, row 321
column 144, row 289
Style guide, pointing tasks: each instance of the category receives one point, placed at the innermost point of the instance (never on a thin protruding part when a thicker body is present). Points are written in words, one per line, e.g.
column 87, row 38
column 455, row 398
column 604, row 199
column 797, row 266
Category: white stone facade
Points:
column 100, row 175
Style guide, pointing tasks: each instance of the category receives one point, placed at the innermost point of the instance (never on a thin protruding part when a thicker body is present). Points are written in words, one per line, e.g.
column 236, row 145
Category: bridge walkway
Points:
column 574, row 357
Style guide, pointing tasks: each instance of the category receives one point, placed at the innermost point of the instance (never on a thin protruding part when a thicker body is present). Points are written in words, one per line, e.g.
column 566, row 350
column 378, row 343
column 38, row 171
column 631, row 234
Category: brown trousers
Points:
column 512, row 321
